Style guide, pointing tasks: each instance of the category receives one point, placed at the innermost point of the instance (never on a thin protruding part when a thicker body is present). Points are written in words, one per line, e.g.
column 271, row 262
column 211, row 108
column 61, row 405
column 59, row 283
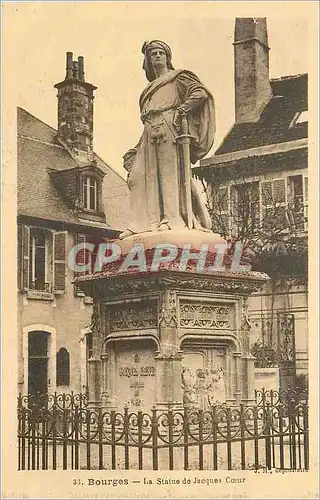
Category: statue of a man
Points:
column 155, row 165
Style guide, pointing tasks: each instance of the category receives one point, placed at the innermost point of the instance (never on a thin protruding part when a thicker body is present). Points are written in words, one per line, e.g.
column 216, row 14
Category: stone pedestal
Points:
column 170, row 337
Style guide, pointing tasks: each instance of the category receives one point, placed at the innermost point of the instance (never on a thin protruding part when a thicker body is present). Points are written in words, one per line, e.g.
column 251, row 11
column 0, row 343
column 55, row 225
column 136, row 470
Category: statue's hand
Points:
column 179, row 113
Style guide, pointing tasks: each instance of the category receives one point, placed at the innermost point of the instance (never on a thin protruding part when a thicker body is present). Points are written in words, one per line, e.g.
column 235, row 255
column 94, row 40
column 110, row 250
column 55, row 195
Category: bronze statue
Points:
column 177, row 111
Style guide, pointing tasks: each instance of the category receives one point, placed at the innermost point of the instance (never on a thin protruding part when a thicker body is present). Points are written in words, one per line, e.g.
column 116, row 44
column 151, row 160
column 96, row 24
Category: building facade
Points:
column 257, row 185
column 66, row 195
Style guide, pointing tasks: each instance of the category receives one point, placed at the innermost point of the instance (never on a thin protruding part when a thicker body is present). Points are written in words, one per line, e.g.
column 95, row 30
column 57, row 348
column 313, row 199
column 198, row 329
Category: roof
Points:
column 39, row 152
column 289, row 97
column 115, row 198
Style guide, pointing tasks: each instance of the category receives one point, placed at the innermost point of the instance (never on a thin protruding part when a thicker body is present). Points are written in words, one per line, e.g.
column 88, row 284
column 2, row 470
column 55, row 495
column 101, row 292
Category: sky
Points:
column 110, row 39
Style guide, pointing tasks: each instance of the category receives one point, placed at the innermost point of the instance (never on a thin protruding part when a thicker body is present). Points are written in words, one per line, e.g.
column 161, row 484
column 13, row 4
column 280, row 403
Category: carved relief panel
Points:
column 133, row 316
column 206, row 315
column 203, row 378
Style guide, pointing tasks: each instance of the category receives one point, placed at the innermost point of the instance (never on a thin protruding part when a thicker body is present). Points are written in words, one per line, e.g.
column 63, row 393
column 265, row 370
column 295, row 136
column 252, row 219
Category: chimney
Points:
column 75, row 109
column 251, row 68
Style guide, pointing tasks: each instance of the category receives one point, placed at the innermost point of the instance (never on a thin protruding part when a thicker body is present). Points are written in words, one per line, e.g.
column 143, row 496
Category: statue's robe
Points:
column 154, row 165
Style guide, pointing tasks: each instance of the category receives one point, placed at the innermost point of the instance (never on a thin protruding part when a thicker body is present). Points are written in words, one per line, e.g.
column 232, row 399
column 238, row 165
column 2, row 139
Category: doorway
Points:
column 38, row 363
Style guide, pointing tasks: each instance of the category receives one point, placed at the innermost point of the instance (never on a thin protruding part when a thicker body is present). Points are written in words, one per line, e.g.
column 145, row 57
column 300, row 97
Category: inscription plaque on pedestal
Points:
column 135, row 374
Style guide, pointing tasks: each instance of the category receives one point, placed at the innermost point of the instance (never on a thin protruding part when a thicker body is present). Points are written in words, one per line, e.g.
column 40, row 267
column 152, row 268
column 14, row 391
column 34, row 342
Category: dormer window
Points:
column 81, row 189
column 90, row 193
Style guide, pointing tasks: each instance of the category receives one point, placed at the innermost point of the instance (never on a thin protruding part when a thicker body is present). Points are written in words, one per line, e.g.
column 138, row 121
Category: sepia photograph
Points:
column 158, row 199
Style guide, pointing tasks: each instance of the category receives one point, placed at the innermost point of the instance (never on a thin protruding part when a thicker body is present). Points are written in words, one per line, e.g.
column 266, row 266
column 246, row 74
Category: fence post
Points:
column 200, row 439
column 154, row 424
column 242, row 436
column 170, row 437
column 126, row 438
column 100, row 435
column 215, row 437
column 281, row 451
column 54, row 432
column 267, row 434
column 76, row 438
column 33, row 439
column 140, row 422
column 229, row 450
column 113, row 439
column 186, row 438
column 292, row 420
column 44, row 442
column 64, row 439
column 306, row 435
column 256, row 439
column 22, row 412
column 88, row 435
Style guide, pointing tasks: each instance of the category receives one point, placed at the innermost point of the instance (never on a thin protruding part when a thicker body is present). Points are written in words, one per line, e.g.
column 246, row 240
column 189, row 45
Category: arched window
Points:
column 63, row 367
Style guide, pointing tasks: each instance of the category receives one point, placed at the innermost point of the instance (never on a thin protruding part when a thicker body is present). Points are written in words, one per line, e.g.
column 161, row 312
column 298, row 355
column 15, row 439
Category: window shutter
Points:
column 23, row 257
column 266, row 191
column 81, row 260
column 306, row 189
column 23, row 260
column 305, row 202
column 279, row 190
column 20, row 258
column 59, row 261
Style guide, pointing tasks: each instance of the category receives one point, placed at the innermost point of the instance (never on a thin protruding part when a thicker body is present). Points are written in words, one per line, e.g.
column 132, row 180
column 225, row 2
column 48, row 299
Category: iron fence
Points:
column 63, row 432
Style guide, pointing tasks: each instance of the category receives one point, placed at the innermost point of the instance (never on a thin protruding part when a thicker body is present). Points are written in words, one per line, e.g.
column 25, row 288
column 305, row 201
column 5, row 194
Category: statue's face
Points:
column 158, row 57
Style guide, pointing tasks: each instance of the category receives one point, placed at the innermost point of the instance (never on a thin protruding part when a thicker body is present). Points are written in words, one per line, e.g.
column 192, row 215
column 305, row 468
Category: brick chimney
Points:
column 251, row 68
column 75, row 109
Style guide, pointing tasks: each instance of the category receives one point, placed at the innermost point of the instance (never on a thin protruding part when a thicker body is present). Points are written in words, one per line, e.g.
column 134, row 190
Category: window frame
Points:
column 90, row 182
column 33, row 257
column 27, row 262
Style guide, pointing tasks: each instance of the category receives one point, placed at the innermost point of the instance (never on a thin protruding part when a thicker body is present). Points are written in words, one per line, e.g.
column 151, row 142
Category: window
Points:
column 42, row 259
column 248, row 201
column 85, row 257
column 245, row 208
column 273, row 200
column 90, row 193
column 38, row 260
column 63, row 367
column 272, row 205
column 297, row 188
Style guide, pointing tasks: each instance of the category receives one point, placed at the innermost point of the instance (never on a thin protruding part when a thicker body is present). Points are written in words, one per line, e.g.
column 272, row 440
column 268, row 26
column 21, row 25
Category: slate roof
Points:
column 38, row 152
column 289, row 97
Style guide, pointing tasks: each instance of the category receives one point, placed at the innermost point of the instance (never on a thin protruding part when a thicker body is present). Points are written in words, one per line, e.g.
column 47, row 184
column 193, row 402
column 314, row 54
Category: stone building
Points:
column 258, row 191
column 64, row 189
